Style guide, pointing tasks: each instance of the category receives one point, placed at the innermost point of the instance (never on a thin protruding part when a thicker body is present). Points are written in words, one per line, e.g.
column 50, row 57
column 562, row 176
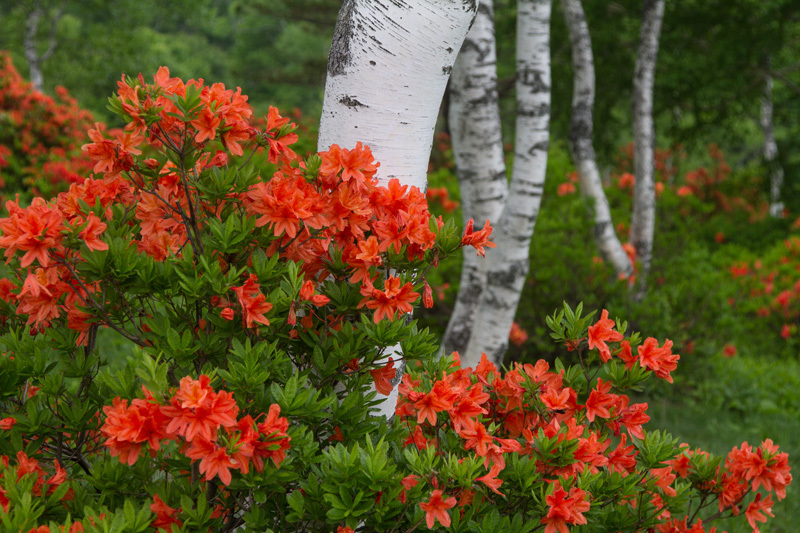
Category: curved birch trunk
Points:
column 580, row 137
column 770, row 146
column 387, row 70
column 643, row 219
column 474, row 119
column 508, row 264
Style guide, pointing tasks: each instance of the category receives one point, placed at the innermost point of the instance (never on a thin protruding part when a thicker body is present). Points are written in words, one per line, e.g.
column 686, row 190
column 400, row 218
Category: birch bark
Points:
column 580, row 136
column 388, row 67
column 31, row 54
column 643, row 219
column 509, row 263
column 474, row 119
column 770, row 146
column 387, row 70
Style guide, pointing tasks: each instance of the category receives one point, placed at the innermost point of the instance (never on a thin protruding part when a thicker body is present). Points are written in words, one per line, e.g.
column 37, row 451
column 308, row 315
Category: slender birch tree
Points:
column 387, row 71
column 509, row 263
column 770, row 148
column 580, row 137
column 643, row 219
column 476, row 133
column 32, row 55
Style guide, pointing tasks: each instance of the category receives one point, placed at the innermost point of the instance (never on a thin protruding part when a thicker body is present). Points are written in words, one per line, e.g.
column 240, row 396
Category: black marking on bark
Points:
column 505, row 276
column 534, row 80
column 447, row 69
column 472, row 44
column 600, row 228
column 580, row 131
column 484, row 199
column 470, row 5
column 541, row 110
column 372, row 63
column 398, row 376
column 539, row 147
column 340, row 55
column 350, row 101
column 488, row 97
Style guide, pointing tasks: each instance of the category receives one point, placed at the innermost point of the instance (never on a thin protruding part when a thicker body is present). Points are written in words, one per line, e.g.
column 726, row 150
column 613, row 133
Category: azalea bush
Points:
column 40, row 137
column 265, row 314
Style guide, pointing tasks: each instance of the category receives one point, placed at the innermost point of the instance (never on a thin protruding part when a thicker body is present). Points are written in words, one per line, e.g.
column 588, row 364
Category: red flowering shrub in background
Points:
column 40, row 137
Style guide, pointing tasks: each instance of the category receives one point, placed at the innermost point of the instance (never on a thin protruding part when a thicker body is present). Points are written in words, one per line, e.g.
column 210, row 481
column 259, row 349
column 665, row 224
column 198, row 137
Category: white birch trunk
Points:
column 31, row 55
column 508, row 264
column 580, row 136
column 387, row 70
column 771, row 147
column 643, row 219
column 388, row 67
column 474, row 119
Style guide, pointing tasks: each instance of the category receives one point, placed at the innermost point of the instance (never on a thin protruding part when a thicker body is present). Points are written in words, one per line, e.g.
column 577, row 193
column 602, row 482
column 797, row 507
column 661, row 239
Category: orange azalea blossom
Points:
column 307, row 293
column 43, row 485
column 517, row 335
column 491, row 480
column 197, row 415
column 601, row 332
column 478, row 239
column 660, row 360
column 757, row 509
column 197, row 411
column 165, row 515
column 763, row 467
column 565, row 509
column 389, row 301
column 383, row 376
column 128, row 428
column 436, row 509
column 599, row 400
column 35, row 230
column 253, row 302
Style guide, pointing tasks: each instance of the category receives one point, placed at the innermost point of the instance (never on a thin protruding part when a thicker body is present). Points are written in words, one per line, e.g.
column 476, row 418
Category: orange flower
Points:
column 92, row 231
column 491, row 480
column 383, row 376
column 599, row 401
column 165, row 515
column 206, row 125
column 756, row 508
column 565, row 509
column 601, row 332
column 479, row 239
column 214, row 460
column 253, row 302
column 565, row 189
column 436, row 509
column 660, row 360
column 389, row 301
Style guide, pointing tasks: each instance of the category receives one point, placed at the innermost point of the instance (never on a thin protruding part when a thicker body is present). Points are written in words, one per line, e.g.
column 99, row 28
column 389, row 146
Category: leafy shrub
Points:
column 265, row 320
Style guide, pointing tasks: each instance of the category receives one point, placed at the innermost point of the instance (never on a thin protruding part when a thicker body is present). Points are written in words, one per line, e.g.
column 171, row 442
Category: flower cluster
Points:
column 569, row 425
column 42, row 485
column 205, row 421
